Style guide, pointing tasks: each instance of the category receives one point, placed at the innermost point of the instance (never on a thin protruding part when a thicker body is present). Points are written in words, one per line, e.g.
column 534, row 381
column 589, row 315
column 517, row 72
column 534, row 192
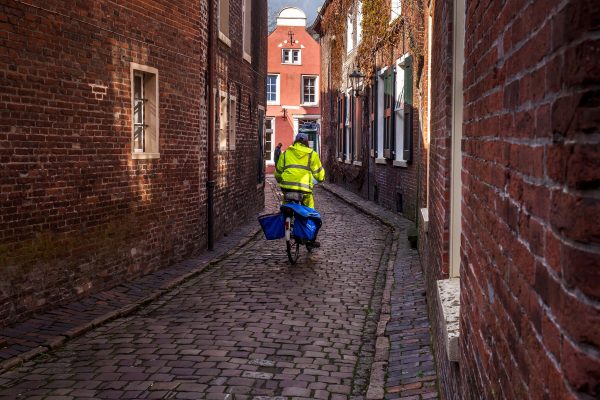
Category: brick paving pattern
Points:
column 411, row 372
column 45, row 330
column 250, row 326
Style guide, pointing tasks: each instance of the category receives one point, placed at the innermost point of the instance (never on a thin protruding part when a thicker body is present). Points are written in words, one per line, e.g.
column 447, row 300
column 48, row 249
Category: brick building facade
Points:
column 103, row 141
column 506, row 173
column 372, row 136
column 512, row 210
column 294, row 67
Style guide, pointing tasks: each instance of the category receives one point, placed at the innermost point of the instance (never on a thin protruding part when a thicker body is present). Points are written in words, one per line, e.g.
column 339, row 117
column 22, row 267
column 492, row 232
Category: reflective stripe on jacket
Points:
column 296, row 168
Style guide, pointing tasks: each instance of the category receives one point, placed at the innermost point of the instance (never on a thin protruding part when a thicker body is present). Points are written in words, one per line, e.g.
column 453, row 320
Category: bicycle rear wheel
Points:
column 293, row 250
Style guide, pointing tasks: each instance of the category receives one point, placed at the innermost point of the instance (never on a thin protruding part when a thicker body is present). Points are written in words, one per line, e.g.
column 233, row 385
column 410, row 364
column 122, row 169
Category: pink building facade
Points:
column 294, row 65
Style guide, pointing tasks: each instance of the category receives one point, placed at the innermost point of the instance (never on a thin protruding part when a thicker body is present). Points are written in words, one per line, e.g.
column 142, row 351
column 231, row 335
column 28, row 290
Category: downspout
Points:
column 210, row 180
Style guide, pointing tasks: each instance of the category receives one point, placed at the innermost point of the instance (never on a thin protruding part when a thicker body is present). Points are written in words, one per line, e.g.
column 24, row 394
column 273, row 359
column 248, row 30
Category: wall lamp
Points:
column 356, row 78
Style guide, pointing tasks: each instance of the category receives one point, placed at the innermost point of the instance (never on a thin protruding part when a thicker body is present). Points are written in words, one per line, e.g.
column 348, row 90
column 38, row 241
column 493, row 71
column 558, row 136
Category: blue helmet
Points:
column 302, row 137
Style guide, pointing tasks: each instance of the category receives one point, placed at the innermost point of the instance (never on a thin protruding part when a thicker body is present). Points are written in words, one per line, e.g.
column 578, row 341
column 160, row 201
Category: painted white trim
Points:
column 380, row 109
column 359, row 19
column 277, row 90
column 456, row 152
column 154, row 152
column 349, row 33
column 246, row 18
column 144, row 156
column 425, row 219
column 291, row 62
column 223, row 38
column 380, row 161
column 399, row 112
column 395, row 10
column 316, row 102
column 429, row 54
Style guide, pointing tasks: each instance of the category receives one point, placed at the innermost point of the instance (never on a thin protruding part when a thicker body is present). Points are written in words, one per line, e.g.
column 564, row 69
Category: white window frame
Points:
column 224, row 36
column 379, row 115
column 277, row 97
column 458, row 54
column 223, row 119
column 396, row 10
column 150, row 119
column 271, row 160
column 399, row 109
column 247, row 30
column 359, row 19
column 290, row 58
column 316, row 102
column 232, row 127
column 349, row 33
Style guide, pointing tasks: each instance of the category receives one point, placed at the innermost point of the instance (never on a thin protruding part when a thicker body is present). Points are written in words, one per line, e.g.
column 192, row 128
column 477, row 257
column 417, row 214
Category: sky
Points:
column 308, row 6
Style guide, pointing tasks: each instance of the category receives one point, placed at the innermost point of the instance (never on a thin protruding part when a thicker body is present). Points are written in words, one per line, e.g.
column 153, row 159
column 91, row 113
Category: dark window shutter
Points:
column 375, row 117
column 345, row 147
column 393, row 115
column 408, row 109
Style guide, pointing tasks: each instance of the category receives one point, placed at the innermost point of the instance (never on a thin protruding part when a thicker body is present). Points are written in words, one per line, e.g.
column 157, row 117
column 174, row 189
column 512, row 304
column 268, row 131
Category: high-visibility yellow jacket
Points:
column 296, row 168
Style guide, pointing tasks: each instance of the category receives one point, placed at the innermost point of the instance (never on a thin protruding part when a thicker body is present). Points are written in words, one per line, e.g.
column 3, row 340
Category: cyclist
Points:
column 297, row 169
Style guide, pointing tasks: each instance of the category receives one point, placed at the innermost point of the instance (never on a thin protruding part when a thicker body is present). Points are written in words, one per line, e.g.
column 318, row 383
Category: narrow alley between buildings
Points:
column 250, row 326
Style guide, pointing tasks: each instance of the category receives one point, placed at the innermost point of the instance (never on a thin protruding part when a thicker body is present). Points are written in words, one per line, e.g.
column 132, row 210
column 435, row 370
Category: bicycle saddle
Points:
column 293, row 196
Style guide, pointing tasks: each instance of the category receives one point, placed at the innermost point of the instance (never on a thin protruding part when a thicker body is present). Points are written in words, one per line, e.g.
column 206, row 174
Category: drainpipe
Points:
column 210, row 180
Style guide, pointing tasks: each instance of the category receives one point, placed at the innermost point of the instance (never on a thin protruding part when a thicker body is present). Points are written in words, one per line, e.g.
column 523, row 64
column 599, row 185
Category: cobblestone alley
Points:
column 250, row 326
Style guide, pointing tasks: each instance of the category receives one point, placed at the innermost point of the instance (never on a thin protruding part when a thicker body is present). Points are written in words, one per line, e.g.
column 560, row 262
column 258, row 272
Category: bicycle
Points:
column 292, row 242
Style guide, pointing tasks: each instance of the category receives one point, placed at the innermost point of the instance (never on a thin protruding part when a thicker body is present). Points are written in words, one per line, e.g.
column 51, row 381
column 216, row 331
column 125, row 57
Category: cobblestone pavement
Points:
column 251, row 326
column 410, row 368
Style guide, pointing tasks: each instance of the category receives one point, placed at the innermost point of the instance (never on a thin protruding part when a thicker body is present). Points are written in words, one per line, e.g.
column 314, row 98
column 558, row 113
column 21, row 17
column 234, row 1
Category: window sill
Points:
column 276, row 103
column 340, row 160
column 347, row 162
column 399, row 163
column 309, row 104
column 144, row 156
column 359, row 163
column 223, row 38
column 247, row 57
column 448, row 292
column 380, row 161
column 425, row 219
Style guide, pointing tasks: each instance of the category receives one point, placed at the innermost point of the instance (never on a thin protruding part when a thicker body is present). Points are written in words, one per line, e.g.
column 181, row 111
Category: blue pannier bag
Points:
column 307, row 221
column 306, row 228
column 273, row 225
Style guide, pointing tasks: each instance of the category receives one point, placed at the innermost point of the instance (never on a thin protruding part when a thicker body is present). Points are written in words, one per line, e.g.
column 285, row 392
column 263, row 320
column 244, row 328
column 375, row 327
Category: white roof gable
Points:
column 291, row 16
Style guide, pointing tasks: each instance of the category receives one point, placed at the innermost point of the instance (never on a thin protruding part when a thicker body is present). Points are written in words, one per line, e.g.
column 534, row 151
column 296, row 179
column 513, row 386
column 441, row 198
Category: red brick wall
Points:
column 238, row 193
column 364, row 179
column 434, row 244
column 77, row 213
column 440, row 138
column 530, row 317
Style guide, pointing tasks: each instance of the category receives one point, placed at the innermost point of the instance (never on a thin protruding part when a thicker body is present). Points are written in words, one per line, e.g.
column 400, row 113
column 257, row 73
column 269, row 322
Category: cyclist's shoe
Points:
column 315, row 244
